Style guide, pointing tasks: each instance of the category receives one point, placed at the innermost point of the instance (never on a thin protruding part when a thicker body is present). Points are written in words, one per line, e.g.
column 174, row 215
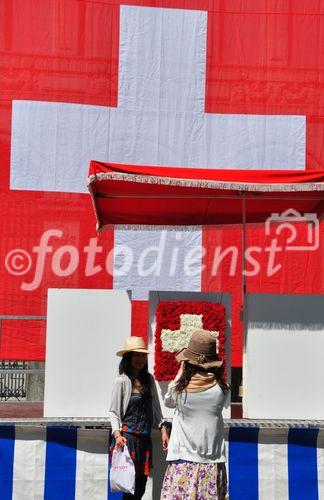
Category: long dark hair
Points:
column 189, row 370
column 125, row 367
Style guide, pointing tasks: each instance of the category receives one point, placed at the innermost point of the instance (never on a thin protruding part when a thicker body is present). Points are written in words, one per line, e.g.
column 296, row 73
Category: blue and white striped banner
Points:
column 57, row 463
column 276, row 464
column 54, row 463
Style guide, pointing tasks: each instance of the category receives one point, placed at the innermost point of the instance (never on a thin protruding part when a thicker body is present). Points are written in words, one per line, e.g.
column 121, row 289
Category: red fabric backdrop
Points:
column 68, row 51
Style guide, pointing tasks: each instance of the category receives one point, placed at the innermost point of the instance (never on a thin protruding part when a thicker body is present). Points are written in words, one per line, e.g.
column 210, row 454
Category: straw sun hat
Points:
column 133, row 344
column 201, row 350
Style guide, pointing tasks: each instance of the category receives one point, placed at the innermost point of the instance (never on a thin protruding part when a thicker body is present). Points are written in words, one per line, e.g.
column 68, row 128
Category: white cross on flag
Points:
column 160, row 118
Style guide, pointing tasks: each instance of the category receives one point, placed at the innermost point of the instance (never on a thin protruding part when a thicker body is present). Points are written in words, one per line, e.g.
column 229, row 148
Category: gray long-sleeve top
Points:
column 120, row 397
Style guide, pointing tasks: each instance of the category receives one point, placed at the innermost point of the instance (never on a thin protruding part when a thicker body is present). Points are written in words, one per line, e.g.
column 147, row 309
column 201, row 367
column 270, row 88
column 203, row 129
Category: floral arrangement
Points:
column 175, row 323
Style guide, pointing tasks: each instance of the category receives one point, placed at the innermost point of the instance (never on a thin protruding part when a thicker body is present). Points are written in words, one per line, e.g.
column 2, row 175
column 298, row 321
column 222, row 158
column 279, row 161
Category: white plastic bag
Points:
column 122, row 471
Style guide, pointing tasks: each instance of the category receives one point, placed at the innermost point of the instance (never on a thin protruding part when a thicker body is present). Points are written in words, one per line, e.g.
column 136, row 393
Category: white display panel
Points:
column 222, row 298
column 85, row 328
column 283, row 366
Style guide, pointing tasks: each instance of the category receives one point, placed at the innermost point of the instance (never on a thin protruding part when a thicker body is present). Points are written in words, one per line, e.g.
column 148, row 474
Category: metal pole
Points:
column 243, row 243
column 241, row 390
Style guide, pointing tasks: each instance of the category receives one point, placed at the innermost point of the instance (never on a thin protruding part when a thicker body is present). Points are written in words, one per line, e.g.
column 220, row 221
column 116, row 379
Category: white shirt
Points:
column 197, row 429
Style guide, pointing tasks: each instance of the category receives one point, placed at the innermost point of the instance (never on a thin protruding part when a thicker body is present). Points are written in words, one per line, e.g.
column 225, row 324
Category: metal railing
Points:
column 13, row 380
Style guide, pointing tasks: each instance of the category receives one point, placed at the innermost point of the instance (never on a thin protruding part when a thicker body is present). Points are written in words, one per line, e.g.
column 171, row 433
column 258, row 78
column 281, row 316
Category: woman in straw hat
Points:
column 196, row 450
column 135, row 409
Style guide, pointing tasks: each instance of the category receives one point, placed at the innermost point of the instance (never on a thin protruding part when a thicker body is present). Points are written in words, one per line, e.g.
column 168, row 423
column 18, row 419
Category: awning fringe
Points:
column 202, row 183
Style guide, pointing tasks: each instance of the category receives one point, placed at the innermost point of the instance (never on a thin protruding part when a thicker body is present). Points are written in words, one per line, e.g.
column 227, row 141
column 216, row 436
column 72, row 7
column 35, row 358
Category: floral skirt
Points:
column 194, row 481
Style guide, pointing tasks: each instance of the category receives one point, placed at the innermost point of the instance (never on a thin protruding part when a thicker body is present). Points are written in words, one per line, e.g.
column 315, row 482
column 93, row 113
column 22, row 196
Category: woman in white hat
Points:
column 135, row 409
column 196, row 450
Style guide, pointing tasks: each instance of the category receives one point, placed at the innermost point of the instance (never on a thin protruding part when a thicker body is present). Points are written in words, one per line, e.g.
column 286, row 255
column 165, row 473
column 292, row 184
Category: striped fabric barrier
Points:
column 276, row 464
column 54, row 463
column 71, row 463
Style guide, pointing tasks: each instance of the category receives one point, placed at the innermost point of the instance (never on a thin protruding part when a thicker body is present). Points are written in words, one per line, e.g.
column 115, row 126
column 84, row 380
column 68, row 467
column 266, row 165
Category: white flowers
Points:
column 175, row 340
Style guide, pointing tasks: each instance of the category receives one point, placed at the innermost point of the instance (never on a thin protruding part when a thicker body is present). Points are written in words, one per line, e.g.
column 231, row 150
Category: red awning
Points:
column 127, row 194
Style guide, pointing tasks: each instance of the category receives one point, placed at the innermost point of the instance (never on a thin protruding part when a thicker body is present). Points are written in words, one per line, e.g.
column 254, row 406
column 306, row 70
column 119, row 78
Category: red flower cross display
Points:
column 175, row 323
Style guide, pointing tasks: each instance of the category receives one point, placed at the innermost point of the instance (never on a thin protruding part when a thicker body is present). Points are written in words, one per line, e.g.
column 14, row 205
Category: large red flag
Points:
column 216, row 85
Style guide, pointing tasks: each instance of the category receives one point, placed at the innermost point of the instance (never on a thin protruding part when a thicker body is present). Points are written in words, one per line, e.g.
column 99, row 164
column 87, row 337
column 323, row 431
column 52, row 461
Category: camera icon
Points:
column 287, row 221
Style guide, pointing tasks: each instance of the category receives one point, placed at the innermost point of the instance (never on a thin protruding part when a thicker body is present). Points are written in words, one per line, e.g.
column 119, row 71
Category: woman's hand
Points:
column 165, row 439
column 120, row 441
